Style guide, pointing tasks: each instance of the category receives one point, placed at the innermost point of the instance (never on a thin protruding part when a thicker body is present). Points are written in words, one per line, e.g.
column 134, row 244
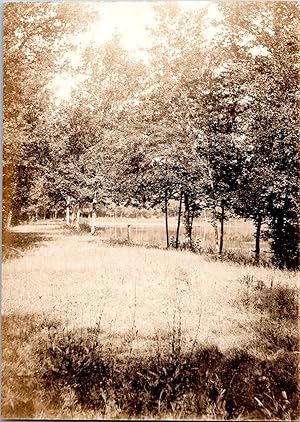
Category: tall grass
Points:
column 117, row 332
column 80, row 372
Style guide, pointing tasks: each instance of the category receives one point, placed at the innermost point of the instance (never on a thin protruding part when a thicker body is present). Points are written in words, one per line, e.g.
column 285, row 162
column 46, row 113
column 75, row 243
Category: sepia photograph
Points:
column 150, row 210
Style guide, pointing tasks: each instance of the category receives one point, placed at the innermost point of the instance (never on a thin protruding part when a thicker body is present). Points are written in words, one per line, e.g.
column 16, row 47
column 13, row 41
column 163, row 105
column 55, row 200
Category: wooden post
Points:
column 128, row 232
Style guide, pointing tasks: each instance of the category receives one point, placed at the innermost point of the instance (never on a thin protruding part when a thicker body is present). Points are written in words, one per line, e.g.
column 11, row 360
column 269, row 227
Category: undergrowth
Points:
column 82, row 371
column 277, row 309
column 237, row 257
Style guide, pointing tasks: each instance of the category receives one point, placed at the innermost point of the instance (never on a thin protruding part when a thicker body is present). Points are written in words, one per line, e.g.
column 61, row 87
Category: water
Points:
column 238, row 234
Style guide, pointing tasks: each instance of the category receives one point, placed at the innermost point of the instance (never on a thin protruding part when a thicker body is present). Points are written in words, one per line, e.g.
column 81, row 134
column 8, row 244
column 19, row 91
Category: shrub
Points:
column 183, row 245
column 84, row 227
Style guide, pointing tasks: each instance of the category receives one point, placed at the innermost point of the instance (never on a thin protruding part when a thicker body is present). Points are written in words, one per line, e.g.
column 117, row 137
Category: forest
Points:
column 207, row 117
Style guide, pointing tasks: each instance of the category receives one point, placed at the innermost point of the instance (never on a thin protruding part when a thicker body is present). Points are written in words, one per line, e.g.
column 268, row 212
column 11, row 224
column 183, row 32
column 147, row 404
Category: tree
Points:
column 35, row 35
column 270, row 119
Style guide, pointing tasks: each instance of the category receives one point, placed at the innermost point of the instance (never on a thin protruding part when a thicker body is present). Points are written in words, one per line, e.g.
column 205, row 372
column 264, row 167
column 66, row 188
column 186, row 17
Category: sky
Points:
column 130, row 19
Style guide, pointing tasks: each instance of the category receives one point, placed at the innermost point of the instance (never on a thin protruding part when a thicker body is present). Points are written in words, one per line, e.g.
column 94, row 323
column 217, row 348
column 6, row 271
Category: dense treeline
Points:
column 211, row 122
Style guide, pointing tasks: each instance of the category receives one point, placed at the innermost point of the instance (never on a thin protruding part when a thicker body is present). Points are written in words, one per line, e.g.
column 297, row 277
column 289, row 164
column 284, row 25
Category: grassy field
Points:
column 116, row 331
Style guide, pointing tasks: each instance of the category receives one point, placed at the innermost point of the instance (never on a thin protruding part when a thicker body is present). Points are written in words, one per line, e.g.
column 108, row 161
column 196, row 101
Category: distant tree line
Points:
column 209, row 123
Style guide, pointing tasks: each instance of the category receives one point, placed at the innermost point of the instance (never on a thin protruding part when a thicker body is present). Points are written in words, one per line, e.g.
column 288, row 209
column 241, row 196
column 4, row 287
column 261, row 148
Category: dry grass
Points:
column 138, row 303
column 78, row 280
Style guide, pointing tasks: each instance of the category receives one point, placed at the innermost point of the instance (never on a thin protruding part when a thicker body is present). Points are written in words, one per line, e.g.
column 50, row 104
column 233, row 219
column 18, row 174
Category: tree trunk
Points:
column 205, row 226
column 44, row 216
column 166, row 218
column 77, row 218
column 215, row 226
column 94, row 215
column 187, row 220
column 55, row 215
column 9, row 218
column 178, row 222
column 93, row 223
column 68, row 211
column 257, row 239
column 191, row 225
column 222, row 228
column 297, row 260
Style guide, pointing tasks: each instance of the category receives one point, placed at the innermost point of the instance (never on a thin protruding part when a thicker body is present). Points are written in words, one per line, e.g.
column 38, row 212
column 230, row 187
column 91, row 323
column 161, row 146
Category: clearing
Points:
column 82, row 281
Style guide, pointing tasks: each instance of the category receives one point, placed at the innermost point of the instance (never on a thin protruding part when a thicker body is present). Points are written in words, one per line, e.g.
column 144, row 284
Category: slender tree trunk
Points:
column 215, row 226
column 55, row 215
column 9, row 218
column 186, row 214
column 44, row 216
column 36, row 215
column 178, row 221
column 191, row 226
column 257, row 239
column 68, row 211
column 93, row 223
column 77, row 218
column 205, row 226
column 222, row 228
column 188, row 219
column 166, row 218
column 297, row 260
column 72, row 216
column 94, row 215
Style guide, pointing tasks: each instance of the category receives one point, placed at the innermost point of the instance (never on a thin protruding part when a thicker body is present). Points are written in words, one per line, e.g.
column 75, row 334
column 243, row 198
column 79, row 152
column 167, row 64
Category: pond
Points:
column 238, row 234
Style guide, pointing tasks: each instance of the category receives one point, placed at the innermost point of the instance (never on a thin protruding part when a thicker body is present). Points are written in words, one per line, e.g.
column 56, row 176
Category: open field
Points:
column 78, row 278
column 138, row 302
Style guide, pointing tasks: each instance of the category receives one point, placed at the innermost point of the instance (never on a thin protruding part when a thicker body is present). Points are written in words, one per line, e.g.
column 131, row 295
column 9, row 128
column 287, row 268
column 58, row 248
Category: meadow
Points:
column 100, row 330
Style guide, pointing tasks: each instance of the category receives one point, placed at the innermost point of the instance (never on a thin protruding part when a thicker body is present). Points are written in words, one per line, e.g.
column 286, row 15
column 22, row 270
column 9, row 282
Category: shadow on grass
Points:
column 77, row 371
column 14, row 243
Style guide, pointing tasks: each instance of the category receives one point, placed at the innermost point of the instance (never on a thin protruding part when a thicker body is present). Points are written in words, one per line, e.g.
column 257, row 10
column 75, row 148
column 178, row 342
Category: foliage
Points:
column 212, row 124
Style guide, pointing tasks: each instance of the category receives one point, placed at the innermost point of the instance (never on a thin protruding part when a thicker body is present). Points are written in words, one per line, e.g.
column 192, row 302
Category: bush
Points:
column 186, row 245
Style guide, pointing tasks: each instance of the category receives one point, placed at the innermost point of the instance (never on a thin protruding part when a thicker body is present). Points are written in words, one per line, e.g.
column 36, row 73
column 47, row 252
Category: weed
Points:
column 237, row 257
column 280, row 302
column 80, row 373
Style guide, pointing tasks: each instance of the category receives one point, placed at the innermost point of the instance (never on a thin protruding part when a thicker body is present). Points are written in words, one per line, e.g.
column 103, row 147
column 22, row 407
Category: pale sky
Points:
column 130, row 19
